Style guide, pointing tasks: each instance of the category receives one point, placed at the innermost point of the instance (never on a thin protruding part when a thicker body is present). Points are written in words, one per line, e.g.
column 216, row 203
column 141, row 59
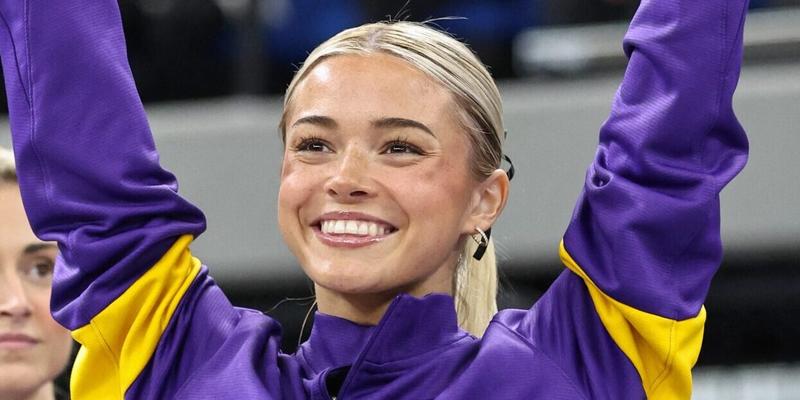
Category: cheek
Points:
column 57, row 338
column 296, row 190
column 41, row 298
column 438, row 198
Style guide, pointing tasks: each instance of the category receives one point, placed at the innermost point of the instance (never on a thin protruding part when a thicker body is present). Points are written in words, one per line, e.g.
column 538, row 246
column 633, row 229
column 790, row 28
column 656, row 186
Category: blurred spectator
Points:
column 293, row 28
column 487, row 25
column 34, row 349
column 586, row 11
column 178, row 48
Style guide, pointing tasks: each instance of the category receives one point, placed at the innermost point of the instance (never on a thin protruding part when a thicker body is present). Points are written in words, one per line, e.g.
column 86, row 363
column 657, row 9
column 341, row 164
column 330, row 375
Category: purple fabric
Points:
column 332, row 343
column 87, row 165
column 557, row 350
column 646, row 226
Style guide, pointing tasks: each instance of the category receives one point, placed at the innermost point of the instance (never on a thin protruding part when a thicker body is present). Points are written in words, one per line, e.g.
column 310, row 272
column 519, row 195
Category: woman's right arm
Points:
column 91, row 181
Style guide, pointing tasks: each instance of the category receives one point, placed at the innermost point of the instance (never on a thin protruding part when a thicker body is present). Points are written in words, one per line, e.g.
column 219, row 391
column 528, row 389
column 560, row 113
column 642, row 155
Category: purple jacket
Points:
column 624, row 321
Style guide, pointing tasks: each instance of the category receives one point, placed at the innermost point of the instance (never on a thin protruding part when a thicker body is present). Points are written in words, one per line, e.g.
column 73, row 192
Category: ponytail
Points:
column 475, row 288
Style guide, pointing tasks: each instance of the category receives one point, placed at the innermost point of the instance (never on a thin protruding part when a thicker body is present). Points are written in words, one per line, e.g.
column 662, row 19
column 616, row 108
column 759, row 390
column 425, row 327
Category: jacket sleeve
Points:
column 91, row 181
column 645, row 234
column 644, row 238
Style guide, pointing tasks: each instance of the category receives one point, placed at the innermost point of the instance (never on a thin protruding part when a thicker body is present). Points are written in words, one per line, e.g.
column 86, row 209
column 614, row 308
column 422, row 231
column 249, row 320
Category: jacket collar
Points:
column 411, row 326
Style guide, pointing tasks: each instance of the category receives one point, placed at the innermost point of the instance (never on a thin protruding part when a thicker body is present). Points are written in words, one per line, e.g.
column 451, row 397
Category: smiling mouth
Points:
column 351, row 232
column 352, row 227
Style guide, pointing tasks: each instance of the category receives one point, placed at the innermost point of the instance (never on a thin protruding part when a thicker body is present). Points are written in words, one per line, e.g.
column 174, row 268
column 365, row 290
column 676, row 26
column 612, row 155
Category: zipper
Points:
column 326, row 387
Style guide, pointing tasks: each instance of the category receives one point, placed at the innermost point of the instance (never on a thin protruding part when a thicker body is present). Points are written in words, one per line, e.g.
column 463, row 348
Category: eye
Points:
column 401, row 146
column 38, row 270
column 312, row 144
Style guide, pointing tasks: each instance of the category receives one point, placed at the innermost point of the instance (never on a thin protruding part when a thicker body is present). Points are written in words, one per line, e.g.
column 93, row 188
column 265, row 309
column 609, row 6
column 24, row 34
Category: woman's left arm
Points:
column 644, row 240
column 645, row 234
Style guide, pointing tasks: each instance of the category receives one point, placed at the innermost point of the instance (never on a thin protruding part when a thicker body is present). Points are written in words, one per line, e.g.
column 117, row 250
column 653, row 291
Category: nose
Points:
column 350, row 181
column 14, row 301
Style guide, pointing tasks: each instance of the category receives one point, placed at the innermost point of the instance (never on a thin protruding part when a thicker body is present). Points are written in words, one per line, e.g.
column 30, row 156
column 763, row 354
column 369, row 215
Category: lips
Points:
column 17, row 341
column 351, row 229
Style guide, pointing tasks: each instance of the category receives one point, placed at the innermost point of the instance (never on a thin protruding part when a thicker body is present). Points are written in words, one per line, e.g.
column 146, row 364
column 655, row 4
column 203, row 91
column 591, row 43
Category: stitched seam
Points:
column 666, row 362
column 16, row 57
column 420, row 355
column 110, row 353
column 669, row 359
column 538, row 350
column 31, row 108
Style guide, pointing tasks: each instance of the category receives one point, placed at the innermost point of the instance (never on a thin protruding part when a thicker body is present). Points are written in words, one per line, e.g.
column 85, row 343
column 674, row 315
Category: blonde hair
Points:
column 453, row 65
column 8, row 172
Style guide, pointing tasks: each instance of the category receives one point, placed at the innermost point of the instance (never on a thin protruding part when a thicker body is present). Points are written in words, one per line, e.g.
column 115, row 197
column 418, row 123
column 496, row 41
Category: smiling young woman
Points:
column 393, row 139
column 397, row 156
column 34, row 348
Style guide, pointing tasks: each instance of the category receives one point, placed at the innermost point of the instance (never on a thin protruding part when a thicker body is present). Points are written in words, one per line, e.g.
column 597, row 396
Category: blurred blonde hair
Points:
column 8, row 172
column 453, row 65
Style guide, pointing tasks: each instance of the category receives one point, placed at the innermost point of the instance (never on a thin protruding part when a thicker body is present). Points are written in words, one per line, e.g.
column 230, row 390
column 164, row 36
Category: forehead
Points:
column 15, row 232
column 371, row 85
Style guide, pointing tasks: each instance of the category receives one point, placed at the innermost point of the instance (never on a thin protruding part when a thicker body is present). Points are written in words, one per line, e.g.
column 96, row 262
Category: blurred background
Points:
column 211, row 73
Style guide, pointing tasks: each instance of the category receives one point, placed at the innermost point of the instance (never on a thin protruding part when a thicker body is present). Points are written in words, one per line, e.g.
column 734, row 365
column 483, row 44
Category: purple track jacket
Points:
column 623, row 321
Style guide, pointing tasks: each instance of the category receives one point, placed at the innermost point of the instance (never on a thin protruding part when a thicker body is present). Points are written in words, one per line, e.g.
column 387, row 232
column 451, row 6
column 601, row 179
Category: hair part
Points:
column 8, row 171
column 454, row 66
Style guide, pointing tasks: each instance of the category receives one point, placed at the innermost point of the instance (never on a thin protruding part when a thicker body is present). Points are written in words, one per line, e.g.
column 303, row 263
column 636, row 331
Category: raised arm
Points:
column 91, row 181
column 644, row 241
column 645, row 234
column 88, row 168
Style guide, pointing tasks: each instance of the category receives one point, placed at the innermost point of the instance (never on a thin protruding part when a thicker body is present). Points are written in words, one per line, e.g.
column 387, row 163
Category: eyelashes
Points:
column 402, row 146
column 311, row 144
column 398, row 146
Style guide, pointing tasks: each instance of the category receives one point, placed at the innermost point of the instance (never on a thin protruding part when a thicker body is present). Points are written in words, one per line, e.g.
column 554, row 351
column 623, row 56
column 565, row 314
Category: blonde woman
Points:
column 34, row 348
column 390, row 184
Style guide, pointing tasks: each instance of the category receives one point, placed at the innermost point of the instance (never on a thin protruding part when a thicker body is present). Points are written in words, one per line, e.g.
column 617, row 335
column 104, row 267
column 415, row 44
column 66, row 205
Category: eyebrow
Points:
column 35, row 247
column 326, row 122
column 395, row 122
column 381, row 123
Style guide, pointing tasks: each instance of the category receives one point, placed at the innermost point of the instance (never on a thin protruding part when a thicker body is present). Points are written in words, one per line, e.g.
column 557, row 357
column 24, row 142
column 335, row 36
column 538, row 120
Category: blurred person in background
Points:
column 34, row 348
column 176, row 45
column 390, row 184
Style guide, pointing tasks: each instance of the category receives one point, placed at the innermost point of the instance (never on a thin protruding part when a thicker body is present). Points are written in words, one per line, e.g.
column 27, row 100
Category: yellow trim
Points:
column 662, row 350
column 119, row 341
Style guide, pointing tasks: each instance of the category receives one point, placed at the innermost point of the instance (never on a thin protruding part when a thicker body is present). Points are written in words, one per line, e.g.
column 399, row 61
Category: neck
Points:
column 368, row 308
column 364, row 309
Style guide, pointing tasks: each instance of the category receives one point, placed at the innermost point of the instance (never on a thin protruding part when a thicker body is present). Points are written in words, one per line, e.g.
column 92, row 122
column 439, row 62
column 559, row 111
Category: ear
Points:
column 488, row 201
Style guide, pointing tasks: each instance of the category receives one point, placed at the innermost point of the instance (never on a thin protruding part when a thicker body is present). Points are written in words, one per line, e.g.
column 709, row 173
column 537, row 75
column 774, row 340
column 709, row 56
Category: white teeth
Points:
column 353, row 227
column 339, row 227
column 373, row 229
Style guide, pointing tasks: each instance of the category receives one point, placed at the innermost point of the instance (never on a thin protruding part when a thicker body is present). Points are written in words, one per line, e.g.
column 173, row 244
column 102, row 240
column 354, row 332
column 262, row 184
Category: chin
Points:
column 348, row 283
column 350, row 277
column 17, row 378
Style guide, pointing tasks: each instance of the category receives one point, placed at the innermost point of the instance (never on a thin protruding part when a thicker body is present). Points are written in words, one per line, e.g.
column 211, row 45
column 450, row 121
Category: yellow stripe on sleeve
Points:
column 118, row 342
column 662, row 350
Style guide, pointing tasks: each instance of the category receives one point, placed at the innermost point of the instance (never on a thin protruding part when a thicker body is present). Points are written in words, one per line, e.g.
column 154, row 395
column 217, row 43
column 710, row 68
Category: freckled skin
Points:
column 25, row 307
column 427, row 193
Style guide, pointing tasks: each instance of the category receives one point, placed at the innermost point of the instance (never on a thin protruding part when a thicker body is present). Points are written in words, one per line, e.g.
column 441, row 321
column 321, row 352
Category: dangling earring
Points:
column 483, row 243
